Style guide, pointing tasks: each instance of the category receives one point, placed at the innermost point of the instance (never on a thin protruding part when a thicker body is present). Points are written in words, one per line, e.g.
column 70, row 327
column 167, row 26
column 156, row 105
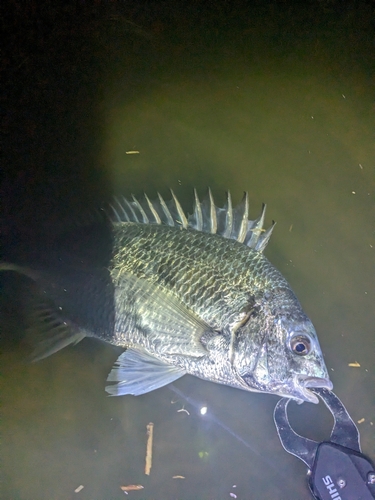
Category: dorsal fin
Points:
column 229, row 222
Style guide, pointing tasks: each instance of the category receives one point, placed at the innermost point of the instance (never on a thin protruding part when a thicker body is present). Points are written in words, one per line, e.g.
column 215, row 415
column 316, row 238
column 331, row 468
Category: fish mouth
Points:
column 302, row 383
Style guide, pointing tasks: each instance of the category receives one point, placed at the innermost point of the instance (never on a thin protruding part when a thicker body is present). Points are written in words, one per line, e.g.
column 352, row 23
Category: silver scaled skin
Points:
column 206, row 303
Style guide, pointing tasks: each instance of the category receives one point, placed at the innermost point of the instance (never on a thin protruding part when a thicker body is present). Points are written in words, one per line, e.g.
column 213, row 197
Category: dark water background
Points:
column 276, row 98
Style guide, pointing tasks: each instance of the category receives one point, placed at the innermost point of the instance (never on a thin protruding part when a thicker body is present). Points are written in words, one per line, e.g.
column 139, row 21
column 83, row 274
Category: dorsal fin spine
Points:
column 167, row 213
column 153, row 211
column 244, row 219
column 264, row 238
column 228, row 217
column 114, row 211
column 213, row 218
column 122, row 208
column 130, row 208
column 180, row 212
column 198, row 212
column 140, row 208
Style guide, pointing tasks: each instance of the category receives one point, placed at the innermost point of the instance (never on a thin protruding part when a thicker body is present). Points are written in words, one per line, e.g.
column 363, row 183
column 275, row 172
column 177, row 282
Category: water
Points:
column 271, row 100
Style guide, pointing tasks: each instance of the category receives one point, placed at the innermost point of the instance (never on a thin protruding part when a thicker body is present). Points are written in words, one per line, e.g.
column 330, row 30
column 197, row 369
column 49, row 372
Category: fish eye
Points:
column 300, row 345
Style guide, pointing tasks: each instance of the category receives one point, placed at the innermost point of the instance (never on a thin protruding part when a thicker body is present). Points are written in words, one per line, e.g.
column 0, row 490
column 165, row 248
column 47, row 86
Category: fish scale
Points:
column 195, row 262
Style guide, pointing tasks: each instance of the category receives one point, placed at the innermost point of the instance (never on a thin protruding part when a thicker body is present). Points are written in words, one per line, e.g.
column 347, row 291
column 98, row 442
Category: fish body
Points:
column 196, row 295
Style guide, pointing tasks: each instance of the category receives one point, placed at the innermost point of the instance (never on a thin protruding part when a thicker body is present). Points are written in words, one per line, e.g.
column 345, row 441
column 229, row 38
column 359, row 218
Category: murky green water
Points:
column 270, row 101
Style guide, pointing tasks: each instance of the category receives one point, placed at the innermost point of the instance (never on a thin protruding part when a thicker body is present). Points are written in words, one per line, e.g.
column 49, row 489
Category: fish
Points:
column 187, row 294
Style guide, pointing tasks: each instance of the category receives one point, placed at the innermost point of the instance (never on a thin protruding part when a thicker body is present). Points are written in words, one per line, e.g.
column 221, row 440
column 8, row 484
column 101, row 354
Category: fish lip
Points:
column 304, row 382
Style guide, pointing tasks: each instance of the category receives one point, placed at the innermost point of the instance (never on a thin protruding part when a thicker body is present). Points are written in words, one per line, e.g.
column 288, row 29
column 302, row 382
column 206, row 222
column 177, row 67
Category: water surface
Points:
column 272, row 100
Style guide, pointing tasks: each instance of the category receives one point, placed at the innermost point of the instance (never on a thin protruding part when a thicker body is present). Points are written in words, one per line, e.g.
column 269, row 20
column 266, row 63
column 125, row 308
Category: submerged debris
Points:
column 132, row 487
column 150, row 432
column 183, row 409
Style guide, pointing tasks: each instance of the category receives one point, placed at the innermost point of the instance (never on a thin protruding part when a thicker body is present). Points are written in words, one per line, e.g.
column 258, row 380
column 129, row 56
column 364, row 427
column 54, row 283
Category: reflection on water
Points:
column 276, row 102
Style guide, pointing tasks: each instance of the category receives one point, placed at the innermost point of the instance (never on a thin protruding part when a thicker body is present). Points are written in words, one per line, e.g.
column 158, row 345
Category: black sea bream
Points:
column 194, row 294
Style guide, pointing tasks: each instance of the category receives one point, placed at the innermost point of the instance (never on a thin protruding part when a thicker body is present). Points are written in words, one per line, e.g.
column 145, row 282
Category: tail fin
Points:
column 48, row 331
column 6, row 266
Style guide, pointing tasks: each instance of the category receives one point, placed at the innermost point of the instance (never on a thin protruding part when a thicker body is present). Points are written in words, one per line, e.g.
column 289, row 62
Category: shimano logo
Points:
column 331, row 488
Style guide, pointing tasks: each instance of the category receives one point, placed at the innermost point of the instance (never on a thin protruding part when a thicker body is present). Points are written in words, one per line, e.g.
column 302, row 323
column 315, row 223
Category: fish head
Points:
column 278, row 352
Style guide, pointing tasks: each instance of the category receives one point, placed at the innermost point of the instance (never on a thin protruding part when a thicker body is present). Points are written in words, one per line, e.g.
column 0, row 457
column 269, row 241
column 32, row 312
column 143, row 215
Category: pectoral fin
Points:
column 137, row 372
column 170, row 327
